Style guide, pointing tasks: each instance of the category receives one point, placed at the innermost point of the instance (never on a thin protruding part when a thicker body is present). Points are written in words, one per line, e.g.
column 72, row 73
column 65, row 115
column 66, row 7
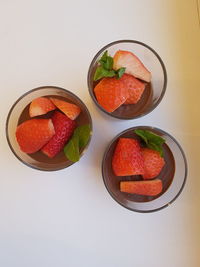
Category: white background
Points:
column 67, row 218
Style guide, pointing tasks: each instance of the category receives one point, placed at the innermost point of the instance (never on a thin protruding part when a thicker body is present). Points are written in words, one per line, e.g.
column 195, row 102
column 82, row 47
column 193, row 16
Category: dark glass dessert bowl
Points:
column 173, row 174
column 154, row 90
column 19, row 113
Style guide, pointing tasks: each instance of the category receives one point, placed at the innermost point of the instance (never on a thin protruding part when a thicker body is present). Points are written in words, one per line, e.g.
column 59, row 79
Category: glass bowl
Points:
column 154, row 91
column 38, row 160
column 173, row 174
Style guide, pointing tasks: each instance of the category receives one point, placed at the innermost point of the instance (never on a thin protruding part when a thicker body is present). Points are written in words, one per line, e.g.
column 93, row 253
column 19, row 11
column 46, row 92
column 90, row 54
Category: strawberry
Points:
column 111, row 93
column 33, row 134
column 64, row 128
column 132, row 64
column 135, row 88
column 153, row 163
column 147, row 188
column 40, row 106
column 127, row 158
column 71, row 110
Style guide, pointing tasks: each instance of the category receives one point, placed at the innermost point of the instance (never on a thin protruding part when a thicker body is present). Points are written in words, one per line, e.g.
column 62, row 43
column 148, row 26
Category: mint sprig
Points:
column 152, row 140
column 79, row 140
column 105, row 68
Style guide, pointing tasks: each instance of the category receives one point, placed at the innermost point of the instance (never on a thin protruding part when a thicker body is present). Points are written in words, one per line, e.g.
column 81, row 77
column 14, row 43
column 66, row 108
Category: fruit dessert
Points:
column 121, row 80
column 49, row 128
column 141, row 162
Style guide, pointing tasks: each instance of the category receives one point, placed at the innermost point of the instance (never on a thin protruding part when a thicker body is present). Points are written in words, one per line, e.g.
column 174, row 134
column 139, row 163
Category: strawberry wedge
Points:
column 72, row 111
column 40, row 106
column 33, row 134
column 135, row 88
column 127, row 158
column 111, row 93
column 64, row 128
column 153, row 163
column 133, row 65
column 146, row 188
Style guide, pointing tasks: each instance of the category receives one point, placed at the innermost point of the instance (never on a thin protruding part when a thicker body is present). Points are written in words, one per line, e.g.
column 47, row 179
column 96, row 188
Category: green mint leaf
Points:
column 83, row 134
column 120, row 72
column 141, row 133
column 71, row 150
column 104, row 57
column 108, row 64
column 101, row 72
column 152, row 140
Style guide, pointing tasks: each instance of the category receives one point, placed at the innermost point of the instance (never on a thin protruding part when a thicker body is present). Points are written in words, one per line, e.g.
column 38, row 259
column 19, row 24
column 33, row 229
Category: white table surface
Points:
column 67, row 218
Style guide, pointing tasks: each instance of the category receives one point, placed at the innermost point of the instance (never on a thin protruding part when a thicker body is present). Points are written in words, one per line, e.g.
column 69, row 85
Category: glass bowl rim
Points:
column 29, row 92
column 184, row 160
column 127, row 41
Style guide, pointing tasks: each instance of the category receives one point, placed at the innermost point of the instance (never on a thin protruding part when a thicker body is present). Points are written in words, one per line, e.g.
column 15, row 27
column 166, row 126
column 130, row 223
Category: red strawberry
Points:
column 64, row 128
column 127, row 158
column 153, row 163
column 132, row 64
column 33, row 134
column 40, row 106
column 135, row 88
column 71, row 110
column 111, row 93
column 147, row 188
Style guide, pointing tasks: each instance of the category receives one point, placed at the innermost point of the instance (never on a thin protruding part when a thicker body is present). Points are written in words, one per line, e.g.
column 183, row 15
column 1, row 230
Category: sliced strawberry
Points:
column 127, row 158
column 40, row 106
column 71, row 110
column 153, row 163
column 111, row 93
column 33, row 134
column 147, row 188
column 64, row 128
column 132, row 64
column 135, row 88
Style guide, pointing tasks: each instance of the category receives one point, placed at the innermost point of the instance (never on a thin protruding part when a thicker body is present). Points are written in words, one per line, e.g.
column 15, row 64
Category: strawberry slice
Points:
column 135, row 88
column 71, row 110
column 132, row 64
column 40, row 106
column 127, row 158
column 33, row 134
column 111, row 93
column 146, row 188
column 153, row 163
column 64, row 128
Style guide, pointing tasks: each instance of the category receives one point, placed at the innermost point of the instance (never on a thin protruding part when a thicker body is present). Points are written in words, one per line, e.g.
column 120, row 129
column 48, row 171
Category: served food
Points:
column 50, row 127
column 120, row 80
column 143, row 159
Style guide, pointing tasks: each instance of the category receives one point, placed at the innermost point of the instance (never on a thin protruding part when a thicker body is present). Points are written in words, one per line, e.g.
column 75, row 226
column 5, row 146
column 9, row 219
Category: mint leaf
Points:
column 120, row 72
column 105, row 69
column 71, row 150
column 83, row 134
column 103, row 58
column 101, row 72
column 79, row 140
column 152, row 140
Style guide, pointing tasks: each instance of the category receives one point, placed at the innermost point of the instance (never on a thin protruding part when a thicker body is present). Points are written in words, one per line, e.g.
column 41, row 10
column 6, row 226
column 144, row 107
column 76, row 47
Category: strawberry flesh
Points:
column 127, row 158
column 146, row 188
column 111, row 93
column 153, row 163
column 64, row 128
column 72, row 111
column 132, row 64
column 40, row 106
column 33, row 134
column 135, row 88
